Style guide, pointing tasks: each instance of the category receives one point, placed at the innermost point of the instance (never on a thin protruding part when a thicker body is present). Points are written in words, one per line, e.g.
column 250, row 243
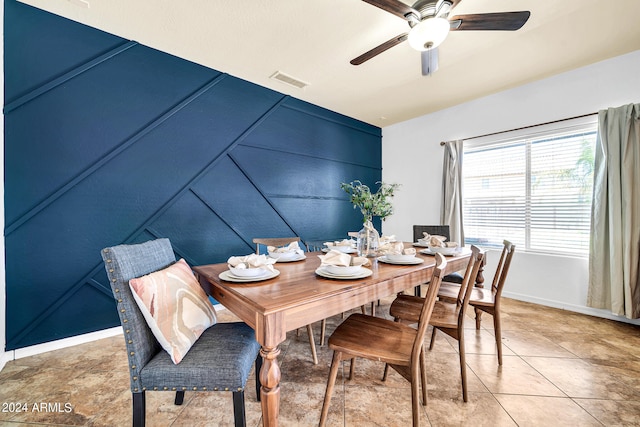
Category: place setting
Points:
column 289, row 253
column 347, row 246
column 434, row 244
column 249, row 268
column 396, row 253
column 342, row 266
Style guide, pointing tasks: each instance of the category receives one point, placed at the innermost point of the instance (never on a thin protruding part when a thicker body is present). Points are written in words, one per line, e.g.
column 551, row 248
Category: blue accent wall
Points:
column 108, row 141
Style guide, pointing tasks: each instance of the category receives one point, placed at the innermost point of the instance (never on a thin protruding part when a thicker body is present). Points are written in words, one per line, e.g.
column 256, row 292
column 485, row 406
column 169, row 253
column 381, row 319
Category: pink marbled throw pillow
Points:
column 175, row 307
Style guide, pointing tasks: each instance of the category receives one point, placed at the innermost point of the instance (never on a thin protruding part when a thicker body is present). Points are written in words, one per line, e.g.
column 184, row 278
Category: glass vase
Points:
column 368, row 240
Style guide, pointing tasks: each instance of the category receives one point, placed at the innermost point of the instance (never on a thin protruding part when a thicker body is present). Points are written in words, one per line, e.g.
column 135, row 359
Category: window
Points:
column 532, row 189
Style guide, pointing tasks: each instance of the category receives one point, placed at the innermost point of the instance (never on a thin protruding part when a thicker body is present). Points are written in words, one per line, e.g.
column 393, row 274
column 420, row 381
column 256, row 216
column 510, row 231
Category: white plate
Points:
column 420, row 245
column 298, row 257
column 341, row 270
column 228, row 277
column 416, row 260
column 457, row 251
column 247, row 272
column 346, row 251
column 365, row 272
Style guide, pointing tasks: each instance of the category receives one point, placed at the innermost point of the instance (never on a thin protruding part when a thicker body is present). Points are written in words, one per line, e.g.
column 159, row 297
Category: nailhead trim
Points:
column 166, row 388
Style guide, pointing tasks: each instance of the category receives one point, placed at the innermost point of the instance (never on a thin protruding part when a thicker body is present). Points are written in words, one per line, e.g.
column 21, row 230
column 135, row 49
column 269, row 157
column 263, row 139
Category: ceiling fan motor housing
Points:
column 429, row 9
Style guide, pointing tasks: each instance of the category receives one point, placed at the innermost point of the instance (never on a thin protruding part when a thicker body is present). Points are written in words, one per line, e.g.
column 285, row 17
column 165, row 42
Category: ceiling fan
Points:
column 430, row 24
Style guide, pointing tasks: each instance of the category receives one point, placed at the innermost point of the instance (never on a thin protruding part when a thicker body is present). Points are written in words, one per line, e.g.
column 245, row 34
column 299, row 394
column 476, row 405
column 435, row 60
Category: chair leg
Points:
column 138, row 409
column 352, row 368
column 415, row 399
column 423, row 376
column 433, row 338
column 331, row 382
column 497, row 329
column 463, row 365
column 417, row 290
column 258, row 383
column 478, row 317
column 312, row 344
column 238, row 409
column 386, row 372
column 323, row 327
column 179, row 397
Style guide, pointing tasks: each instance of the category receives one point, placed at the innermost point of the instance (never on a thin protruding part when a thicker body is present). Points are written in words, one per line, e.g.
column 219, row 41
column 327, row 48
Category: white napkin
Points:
column 334, row 257
column 387, row 239
column 398, row 248
column 438, row 241
column 386, row 244
column 291, row 247
column 252, row 261
column 344, row 242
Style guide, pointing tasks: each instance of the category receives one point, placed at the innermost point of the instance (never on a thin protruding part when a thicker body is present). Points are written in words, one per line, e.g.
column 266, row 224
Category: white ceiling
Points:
column 314, row 40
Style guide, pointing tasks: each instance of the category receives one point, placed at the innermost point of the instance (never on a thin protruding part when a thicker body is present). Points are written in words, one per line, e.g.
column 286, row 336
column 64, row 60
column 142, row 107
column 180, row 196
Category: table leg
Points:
column 480, row 277
column 270, row 391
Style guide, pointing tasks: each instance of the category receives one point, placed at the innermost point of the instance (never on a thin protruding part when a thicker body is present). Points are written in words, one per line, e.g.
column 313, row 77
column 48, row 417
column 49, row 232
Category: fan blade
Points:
column 454, row 3
column 395, row 7
column 429, row 61
column 379, row 49
column 501, row 21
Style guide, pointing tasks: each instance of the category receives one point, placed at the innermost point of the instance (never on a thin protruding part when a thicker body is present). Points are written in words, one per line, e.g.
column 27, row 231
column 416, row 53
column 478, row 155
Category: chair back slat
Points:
column 428, row 304
column 468, row 279
column 470, row 276
column 502, row 269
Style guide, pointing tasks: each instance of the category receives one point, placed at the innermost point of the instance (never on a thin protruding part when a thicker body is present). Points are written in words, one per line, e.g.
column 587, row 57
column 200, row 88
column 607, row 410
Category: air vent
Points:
column 285, row 78
column 81, row 3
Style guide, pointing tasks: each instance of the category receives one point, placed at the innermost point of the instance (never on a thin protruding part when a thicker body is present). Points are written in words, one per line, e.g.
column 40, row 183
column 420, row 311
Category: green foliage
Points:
column 371, row 204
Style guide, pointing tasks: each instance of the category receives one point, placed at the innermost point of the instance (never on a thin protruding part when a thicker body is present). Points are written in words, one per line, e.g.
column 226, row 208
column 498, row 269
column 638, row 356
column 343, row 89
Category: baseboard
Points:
column 66, row 342
column 571, row 307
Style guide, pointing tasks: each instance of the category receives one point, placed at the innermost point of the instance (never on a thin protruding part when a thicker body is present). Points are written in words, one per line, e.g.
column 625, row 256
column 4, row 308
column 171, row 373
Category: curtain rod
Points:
column 526, row 127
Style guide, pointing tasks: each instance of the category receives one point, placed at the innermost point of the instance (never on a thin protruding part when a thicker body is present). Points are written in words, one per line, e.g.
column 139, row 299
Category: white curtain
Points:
column 614, row 258
column 451, row 206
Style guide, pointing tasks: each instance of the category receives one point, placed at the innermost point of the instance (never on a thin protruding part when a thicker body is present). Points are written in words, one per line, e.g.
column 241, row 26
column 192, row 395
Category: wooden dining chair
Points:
column 487, row 300
column 282, row 241
column 447, row 316
column 435, row 230
column 397, row 344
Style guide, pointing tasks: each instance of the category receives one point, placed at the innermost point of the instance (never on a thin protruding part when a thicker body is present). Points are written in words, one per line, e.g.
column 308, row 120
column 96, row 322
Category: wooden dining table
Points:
column 299, row 296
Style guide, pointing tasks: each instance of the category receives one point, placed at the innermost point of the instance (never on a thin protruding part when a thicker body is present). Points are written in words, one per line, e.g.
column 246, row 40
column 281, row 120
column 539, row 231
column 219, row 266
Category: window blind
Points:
column 533, row 189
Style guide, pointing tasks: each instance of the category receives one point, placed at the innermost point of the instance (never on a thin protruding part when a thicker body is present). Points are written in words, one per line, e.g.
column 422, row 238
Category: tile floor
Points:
column 560, row 369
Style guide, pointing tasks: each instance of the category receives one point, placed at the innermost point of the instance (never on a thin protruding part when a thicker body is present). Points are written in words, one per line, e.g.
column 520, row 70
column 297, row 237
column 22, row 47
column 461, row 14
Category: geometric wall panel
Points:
column 108, row 141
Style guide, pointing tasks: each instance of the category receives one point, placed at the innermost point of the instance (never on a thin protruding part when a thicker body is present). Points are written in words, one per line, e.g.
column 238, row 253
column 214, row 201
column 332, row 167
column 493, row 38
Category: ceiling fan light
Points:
column 429, row 33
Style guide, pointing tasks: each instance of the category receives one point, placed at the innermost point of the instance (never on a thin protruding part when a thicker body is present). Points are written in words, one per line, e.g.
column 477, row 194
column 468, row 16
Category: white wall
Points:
column 412, row 156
